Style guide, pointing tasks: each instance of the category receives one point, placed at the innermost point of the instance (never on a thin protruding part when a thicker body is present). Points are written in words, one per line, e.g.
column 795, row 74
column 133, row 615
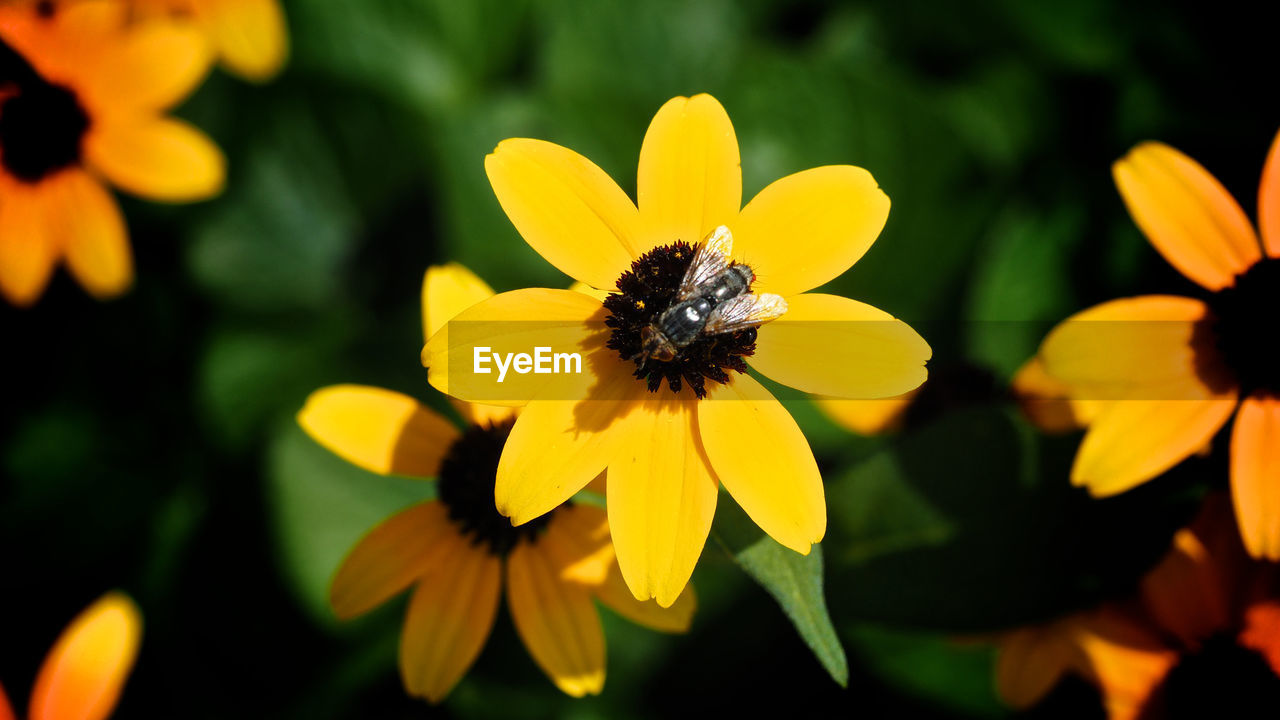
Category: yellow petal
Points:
column 586, row 289
column 830, row 345
column 556, row 620
column 465, row 357
column 1186, row 214
column 868, row 417
column 614, row 593
column 396, row 552
column 448, row 620
column 379, row 430
column 1030, row 662
column 249, row 35
column 1047, row 401
column 690, row 176
column 758, row 452
column 83, row 675
column 93, row 234
column 1147, row 347
column 1186, row 592
column 661, row 499
column 808, row 228
column 447, row 290
column 558, row 446
column 1255, row 474
column 28, row 247
column 1269, row 200
column 1124, row 660
column 156, row 158
column 566, row 208
column 153, row 66
column 577, row 540
column 1132, row 441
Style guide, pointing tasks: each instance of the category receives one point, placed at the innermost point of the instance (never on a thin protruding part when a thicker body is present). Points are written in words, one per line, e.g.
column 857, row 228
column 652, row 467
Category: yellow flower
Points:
column 454, row 550
column 83, row 675
column 249, row 36
column 1138, row 651
column 1160, row 375
column 82, row 101
column 671, row 432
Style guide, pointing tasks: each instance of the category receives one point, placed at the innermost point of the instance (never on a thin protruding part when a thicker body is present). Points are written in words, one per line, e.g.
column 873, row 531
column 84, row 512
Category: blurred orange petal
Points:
column 449, row 618
column 1269, row 200
column 556, row 620
column 399, row 550
column 1186, row 214
column 1255, row 474
column 155, row 158
column 93, row 234
column 28, row 246
column 86, row 670
column 249, row 35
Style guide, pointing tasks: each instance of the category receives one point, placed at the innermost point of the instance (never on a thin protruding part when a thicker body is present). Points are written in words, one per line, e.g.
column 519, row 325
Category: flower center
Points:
column 40, row 131
column 1221, row 679
column 1247, row 326
column 465, row 486
column 646, row 291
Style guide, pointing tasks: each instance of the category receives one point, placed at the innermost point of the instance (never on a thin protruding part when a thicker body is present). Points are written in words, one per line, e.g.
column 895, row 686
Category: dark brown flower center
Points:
column 465, row 486
column 41, row 124
column 1246, row 325
column 644, row 292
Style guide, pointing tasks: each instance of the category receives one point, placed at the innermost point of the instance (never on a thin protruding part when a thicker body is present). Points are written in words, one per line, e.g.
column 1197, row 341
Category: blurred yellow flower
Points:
column 83, row 675
column 454, row 550
column 1205, row 590
column 668, row 449
column 1160, row 375
column 249, row 37
column 82, row 100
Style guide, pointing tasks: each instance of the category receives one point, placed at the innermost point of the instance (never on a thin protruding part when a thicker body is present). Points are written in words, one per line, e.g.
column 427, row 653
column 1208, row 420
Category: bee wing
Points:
column 711, row 259
column 744, row 311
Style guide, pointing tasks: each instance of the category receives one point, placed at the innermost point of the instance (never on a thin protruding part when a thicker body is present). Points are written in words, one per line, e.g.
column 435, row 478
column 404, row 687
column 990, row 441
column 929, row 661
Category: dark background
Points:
column 148, row 443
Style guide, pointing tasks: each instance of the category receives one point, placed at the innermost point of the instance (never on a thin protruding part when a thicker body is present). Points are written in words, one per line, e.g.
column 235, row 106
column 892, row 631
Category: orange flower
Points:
column 1205, row 605
column 83, row 675
column 249, row 36
column 1157, row 376
column 82, row 97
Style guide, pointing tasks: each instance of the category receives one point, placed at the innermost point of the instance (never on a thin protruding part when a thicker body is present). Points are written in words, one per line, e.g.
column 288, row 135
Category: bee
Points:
column 714, row 298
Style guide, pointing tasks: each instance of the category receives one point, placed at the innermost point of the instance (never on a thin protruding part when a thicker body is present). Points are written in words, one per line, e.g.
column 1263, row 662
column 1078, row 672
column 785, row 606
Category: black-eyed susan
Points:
column 1200, row 637
column 455, row 550
column 85, row 672
column 249, row 37
column 672, row 424
column 1162, row 374
column 82, row 97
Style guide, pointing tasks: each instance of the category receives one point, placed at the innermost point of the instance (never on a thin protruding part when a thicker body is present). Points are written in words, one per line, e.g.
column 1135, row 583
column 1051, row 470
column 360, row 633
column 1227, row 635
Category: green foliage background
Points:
column 149, row 444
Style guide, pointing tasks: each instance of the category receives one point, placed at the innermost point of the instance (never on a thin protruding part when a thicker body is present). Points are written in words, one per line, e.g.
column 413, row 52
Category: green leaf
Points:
column 954, row 673
column 794, row 580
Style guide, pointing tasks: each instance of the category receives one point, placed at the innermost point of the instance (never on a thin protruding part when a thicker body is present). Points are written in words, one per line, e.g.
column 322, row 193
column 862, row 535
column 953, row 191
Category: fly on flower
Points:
column 714, row 298
column 455, row 551
column 677, row 294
